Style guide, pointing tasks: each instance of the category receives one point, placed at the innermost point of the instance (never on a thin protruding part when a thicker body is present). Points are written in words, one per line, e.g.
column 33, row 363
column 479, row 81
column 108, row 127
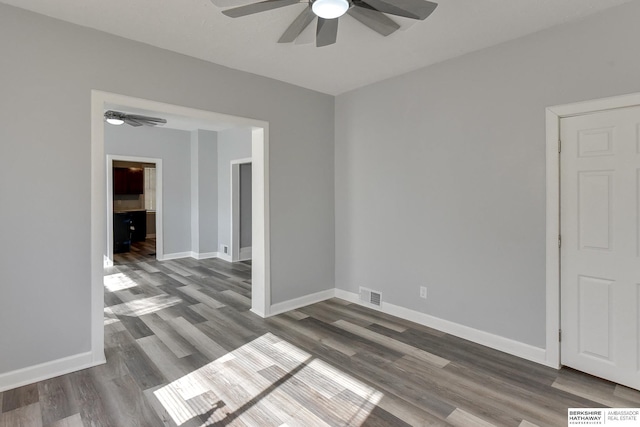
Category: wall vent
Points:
column 370, row 296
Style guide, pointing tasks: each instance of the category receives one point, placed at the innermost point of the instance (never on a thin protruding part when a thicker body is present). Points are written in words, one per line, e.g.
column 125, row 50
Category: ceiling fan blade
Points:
column 146, row 119
column 262, row 6
column 132, row 122
column 326, row 32
column 375, row 20
column 416, row 9
column 229, row 3
column 298, row 26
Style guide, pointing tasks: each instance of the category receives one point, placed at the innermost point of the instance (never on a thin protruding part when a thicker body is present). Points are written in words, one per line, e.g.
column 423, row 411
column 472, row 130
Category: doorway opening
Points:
column 260, row 276
column 134, row 209
column 241, row 230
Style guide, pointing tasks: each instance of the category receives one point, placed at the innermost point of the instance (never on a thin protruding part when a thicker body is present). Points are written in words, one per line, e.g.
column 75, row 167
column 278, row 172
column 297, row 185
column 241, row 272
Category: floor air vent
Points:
column 371, row 297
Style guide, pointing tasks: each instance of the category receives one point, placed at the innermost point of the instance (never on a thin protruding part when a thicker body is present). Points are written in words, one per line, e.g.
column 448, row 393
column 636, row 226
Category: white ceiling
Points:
column 360, row 57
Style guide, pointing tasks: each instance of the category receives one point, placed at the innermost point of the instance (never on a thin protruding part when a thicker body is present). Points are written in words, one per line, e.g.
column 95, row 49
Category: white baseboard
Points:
column 205, row 255
column 44, row 371
column 175, row 255
column 225, row 257
column 506, row 345
column 245, row 253
column 295, row 303
column 195, row 255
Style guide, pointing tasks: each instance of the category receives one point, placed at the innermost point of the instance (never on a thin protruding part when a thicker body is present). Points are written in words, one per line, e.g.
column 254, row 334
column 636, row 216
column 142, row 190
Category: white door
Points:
column 600, row 252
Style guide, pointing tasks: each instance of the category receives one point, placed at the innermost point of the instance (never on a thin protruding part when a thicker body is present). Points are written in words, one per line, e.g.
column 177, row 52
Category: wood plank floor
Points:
column 183, row 349
column 140, row 252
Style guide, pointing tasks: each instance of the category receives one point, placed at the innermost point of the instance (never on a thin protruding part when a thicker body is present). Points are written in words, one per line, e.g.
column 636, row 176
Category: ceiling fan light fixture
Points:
column 330, row 9
column 116, row 122
column 113, row 118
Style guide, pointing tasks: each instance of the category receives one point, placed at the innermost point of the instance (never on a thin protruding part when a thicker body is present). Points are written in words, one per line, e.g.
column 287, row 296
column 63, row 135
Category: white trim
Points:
column 553, row 116
column 191, row 254
column 44, row 371
column 245, row 254
column 227, row 257
column 506, row 345
column 195, row 192
column 176, row 255
column 596, row 105
column 260, row 220
column 234, row 217
column 98, row 227
column 261, row 271
column 107, row 262
column 205, row 255
column 292, row 304
column 552, row 232
column 159, row 207
column 235, row 207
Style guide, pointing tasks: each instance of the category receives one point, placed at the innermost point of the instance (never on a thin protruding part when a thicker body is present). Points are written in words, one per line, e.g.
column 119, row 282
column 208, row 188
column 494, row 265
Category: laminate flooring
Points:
column 140, row 252
column 183, row 349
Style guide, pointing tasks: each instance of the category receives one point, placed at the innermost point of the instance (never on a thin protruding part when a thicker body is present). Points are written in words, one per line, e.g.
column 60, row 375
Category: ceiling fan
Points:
column 368, row 12
column 117, row 118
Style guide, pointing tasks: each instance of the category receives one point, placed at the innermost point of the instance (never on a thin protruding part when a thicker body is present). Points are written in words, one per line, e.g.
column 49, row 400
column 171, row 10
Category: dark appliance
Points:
column 122, row 228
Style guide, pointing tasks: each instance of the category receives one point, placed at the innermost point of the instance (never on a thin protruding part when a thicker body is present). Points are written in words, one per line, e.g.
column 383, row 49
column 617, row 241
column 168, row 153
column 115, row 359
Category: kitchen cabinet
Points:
column 128, row 181
column 120, row 185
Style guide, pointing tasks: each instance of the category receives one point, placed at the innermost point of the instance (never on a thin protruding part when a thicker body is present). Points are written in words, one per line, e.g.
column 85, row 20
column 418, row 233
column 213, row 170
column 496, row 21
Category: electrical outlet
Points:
column 423, row 292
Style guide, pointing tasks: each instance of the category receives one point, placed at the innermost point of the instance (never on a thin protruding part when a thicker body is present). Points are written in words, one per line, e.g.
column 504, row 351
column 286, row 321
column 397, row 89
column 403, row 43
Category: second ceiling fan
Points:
column 369, row 12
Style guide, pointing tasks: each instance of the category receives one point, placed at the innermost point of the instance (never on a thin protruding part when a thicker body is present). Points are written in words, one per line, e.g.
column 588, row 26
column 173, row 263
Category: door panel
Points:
column 595, row 142
column 594, row 300
column 594, row 209
column 600, row 254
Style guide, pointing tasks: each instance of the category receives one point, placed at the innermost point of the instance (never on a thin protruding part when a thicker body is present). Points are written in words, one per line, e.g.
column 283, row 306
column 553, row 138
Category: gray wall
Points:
column 245, row 206
column 233, row 144
column 190, row 181
column 440, row 173
column 208, row 191
column 48, row 71
column 173, row 147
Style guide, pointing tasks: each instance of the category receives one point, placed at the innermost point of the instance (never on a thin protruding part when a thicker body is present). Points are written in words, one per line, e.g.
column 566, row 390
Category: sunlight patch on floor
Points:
column 118, row 282
column 109, row 317
column 268, row 382
column 140, row 307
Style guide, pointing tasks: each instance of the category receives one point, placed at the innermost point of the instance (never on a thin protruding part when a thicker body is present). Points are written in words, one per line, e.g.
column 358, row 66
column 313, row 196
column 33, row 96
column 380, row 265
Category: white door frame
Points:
column 235, row 206
column 109, row 212
column 260, row 276
column 553, row 116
